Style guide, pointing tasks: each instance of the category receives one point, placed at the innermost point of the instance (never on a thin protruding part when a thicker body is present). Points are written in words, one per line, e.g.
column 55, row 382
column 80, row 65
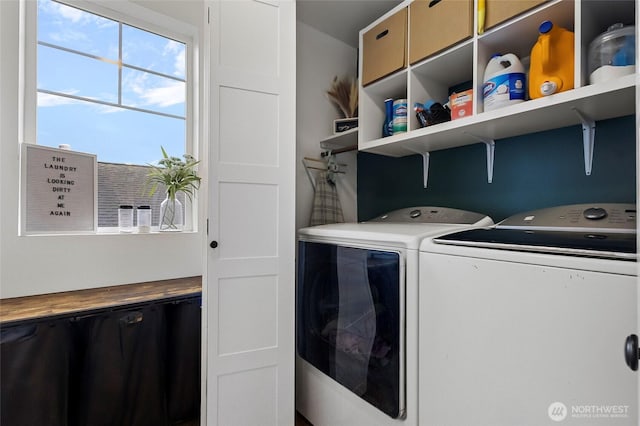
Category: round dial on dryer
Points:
column 595, row 213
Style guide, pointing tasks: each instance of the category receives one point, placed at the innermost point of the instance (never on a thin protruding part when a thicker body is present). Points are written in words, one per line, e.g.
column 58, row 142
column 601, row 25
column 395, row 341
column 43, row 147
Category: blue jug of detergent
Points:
column 387, row 126
column 504, row 82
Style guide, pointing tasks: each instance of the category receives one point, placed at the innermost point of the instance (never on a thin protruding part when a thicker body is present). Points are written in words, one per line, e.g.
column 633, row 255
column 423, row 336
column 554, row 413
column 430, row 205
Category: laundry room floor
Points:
column 301, row 421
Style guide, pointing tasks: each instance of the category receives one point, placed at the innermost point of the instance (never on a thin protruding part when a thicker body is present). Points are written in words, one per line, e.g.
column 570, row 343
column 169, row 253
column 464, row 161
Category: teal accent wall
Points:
column 530, row 172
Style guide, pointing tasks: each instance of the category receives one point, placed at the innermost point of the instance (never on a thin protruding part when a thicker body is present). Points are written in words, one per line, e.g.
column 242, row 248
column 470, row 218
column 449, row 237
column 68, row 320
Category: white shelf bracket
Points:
column 425, row 168
column 588, row 139
column 425, row 165
column 491, row 151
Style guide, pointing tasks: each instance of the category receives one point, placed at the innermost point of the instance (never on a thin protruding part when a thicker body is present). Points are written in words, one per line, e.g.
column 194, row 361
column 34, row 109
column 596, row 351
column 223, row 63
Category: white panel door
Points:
column 250, row 273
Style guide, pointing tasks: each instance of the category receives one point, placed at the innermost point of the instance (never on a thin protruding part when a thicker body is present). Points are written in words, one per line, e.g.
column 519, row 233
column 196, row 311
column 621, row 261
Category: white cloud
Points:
column 171, row 47
column 176, row 49
column 70, row 25
column 166, row 94
column 106, row 109
column 134, row 82
column 77, row 16
column 180, row 64
column 68, row 35
column 47, row 100
column 171, row 94
column 70, row 13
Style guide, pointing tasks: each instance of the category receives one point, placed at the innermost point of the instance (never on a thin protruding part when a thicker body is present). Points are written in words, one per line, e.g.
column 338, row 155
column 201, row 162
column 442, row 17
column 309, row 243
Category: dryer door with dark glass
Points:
column 349, row 316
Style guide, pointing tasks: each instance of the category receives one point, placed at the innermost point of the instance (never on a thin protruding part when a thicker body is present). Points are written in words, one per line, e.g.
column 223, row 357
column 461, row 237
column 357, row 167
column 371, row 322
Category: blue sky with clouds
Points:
column 114, row 134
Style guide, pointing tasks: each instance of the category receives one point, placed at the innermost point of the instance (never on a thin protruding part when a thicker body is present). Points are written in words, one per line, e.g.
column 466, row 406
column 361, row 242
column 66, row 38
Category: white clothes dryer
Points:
column 524, row 323
column 357, row 316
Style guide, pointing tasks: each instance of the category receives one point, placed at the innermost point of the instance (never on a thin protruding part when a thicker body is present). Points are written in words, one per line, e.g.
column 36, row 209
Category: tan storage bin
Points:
column 436, row 25
column 498, row 11
column 384, row 48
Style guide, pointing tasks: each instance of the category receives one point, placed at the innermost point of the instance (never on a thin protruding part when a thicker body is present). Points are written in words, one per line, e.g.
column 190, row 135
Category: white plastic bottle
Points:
column 504, row 82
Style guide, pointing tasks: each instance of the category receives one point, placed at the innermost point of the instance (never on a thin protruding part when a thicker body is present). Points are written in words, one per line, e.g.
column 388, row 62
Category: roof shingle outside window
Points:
column 125, row 184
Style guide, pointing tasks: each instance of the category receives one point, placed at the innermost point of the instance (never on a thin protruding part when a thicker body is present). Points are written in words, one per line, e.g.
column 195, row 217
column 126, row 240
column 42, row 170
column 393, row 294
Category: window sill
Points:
column 154, row 230
column 111, row 232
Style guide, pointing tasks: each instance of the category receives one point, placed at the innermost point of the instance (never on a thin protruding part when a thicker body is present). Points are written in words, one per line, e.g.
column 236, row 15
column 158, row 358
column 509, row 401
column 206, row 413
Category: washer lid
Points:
column 376, row 234
column 428, row 214
column 605, row 245
column 603, row 230
column 404, row 228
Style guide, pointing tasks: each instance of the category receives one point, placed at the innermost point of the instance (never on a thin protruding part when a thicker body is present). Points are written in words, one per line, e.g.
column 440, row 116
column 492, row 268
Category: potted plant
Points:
column 175, row 175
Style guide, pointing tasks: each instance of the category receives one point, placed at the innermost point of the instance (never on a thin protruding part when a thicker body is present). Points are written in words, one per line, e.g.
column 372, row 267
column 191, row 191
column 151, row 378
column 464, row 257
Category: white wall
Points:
column 45, row 264
column 320, row 57
column 189, row 11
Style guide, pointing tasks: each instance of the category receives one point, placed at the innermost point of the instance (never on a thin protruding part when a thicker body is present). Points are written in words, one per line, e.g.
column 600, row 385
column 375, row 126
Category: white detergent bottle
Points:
column 504, row 82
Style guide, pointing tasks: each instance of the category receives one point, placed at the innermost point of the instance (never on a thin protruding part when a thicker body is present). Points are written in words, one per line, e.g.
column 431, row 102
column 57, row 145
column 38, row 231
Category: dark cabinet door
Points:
column 183, row 360
column 35, row 362
column 121, row 374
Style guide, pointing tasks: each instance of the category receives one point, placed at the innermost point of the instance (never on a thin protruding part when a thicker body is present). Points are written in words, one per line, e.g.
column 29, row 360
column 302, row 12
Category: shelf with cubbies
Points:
column 465, row 61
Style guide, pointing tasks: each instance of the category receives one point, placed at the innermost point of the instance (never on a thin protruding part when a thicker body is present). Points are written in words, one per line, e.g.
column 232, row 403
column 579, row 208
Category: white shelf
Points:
column 340, row 140
column 598, row 102
column 431, row 78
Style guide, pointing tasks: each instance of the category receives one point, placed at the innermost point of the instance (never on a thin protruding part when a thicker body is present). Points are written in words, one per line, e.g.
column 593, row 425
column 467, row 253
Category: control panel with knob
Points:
column 606, row 217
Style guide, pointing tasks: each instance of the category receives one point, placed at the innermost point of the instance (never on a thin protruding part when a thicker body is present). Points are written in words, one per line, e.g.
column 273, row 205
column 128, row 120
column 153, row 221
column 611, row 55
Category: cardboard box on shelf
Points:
column 384, row 48
column 498, row 11
column 435, row 26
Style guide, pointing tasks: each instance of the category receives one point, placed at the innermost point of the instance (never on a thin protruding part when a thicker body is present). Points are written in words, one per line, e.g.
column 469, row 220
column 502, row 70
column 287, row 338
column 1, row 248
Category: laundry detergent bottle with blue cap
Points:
column 552, row 61
column 504, row 82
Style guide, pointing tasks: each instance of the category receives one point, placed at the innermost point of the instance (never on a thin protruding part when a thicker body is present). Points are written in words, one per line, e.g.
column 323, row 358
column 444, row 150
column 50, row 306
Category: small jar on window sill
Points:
column 144, row 219
column 125, row 218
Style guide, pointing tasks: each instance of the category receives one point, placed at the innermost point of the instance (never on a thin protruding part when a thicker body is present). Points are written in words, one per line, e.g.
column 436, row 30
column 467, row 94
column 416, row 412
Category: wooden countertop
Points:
column 46, row 305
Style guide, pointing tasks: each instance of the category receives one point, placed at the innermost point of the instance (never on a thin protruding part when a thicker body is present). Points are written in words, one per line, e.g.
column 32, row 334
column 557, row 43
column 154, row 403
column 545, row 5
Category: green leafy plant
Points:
column 175, row 174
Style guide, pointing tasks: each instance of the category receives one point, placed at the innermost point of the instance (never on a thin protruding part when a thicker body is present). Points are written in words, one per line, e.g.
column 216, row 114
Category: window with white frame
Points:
column 111, row 85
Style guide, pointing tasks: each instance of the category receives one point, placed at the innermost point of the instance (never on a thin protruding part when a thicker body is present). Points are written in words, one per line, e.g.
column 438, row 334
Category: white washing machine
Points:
column 357, row 316
column 524, row 323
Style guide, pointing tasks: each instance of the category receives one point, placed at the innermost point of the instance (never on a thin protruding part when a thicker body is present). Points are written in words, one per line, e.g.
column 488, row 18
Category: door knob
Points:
column 631, row 352
column 213, row 244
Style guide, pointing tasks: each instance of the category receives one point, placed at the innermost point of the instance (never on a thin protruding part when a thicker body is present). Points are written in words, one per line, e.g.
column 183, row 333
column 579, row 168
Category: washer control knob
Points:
column 415, row 213
column 631, row 352
column 595, row 213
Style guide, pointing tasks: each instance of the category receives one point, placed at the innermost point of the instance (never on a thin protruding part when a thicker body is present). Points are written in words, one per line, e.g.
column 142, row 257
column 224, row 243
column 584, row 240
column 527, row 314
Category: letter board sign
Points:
column 59, row 190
